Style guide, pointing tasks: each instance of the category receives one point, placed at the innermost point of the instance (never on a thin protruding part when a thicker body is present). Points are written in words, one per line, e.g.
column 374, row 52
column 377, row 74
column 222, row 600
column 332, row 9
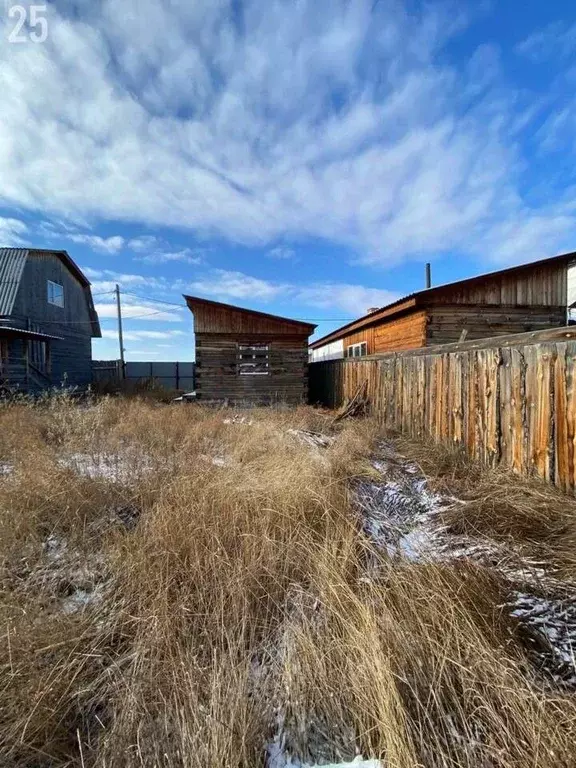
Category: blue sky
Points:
column 301, row 157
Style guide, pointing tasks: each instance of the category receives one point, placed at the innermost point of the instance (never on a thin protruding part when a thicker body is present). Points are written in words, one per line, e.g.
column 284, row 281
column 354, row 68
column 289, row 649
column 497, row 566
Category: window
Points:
column 357, row 350
column 253, row 360
column 55, row 294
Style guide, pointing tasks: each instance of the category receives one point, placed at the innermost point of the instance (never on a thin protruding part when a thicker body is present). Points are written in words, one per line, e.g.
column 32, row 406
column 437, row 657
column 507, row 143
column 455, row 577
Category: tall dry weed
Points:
column 184, row 586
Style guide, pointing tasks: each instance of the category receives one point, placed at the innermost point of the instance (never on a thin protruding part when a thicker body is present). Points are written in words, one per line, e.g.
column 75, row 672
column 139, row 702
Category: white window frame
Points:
column 253, row 359
column 357, row 350
column 55, row 293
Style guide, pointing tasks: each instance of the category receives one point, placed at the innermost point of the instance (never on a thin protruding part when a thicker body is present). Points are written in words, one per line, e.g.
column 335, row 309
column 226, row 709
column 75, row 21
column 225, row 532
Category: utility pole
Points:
column 120, row 334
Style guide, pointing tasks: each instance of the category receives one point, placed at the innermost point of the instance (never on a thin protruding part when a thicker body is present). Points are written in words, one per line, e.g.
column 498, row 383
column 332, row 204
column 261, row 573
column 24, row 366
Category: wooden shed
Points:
column 244, row 356
column 530, row 297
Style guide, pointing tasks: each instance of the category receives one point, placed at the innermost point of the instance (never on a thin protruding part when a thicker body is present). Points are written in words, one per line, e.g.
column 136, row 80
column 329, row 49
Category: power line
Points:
column 149, row 298
column 88, row 322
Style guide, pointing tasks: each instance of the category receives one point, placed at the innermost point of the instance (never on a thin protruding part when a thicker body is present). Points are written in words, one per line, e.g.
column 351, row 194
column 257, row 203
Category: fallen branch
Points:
column 357, row 406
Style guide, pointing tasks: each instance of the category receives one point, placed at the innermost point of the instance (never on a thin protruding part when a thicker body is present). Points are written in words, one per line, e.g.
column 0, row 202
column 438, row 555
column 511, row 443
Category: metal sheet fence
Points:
column 178, row 376
column 510, row 400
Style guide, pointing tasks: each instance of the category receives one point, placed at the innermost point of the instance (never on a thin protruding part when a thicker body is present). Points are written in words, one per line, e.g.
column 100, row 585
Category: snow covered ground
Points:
column 401, row 515
column 121, row 467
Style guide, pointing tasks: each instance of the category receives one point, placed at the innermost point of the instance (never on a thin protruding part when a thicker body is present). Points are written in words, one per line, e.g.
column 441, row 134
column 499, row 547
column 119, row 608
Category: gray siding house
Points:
column 47, row 321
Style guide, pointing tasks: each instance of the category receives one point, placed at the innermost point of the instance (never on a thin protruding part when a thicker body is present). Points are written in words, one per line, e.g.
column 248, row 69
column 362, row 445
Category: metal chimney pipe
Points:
column 428, row 276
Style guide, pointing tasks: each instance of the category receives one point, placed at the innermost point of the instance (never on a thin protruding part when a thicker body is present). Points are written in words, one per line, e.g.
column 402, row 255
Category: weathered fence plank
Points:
column 513, row 403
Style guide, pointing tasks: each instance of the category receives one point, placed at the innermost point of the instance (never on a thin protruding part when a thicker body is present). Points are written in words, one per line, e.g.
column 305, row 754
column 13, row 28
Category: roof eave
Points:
column 406, row 304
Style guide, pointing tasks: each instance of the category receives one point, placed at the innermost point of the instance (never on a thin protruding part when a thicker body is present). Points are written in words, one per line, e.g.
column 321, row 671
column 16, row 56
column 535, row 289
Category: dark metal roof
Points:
column 12, row 263
column 397, row 306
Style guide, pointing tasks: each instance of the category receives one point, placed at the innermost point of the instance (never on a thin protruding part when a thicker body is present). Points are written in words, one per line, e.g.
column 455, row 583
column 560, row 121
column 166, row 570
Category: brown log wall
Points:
column 510, row 401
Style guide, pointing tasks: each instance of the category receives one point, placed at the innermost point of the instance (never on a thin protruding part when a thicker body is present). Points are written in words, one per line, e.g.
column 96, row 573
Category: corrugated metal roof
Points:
column 12, row 261
column 8, row 330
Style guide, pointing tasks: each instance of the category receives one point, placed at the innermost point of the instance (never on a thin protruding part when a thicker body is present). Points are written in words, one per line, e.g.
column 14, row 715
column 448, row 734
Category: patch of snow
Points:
column 239, row 420
column 116, row 467
column 55, row 548
column 79, row 600
column 416, row 543
column 217, row 461
column 400, row 516
column 554, row 621
column 5, row 469
column 277, row 758
column 313, row 439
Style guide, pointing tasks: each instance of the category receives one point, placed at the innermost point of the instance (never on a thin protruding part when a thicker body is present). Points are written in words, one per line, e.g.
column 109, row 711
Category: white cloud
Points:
column 143, row 243
column 186, row 256
column 12, row 232
column 236, row 285
column 323, row 118
column 96, row 243
column 354, row 299
column 139, row 311
column 557, row 40
column 142, row 335
column 282, row 253
column 106, row 280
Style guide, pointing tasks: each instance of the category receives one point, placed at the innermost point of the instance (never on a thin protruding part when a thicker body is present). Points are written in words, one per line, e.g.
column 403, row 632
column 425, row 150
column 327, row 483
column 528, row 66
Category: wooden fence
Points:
column 509, row 400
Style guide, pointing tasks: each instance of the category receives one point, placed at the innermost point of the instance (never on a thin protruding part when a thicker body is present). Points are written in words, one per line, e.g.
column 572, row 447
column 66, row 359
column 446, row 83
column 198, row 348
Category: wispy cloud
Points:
column 144, row 243
column 557, row 40
column 139, row 311
column 107, row 279
column 236, row 285
column 134, row 306
column 354, row 299
column 143, row 335
column 282, row 253
column 329, row 119
column 12, row 232
column 97, row 243
column 185, row 256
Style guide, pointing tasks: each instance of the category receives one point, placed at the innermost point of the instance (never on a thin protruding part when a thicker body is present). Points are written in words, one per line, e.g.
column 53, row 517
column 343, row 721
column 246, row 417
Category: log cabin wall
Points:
column 218, row 378
column 543, row 286
column 407, row 332
column 223, row 373
column 446, row 322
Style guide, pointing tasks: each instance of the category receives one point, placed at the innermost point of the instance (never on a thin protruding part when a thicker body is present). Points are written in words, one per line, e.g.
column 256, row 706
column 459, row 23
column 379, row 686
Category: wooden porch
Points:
column 25, row 360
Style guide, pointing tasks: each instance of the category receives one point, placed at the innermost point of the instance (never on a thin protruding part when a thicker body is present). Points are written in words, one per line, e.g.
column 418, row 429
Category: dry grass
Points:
column 534, row 515
column 228, row 590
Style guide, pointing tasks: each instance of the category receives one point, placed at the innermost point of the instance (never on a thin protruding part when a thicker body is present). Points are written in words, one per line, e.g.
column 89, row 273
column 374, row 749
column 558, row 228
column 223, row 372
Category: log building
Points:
column 531, row 297
column 244, row 356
